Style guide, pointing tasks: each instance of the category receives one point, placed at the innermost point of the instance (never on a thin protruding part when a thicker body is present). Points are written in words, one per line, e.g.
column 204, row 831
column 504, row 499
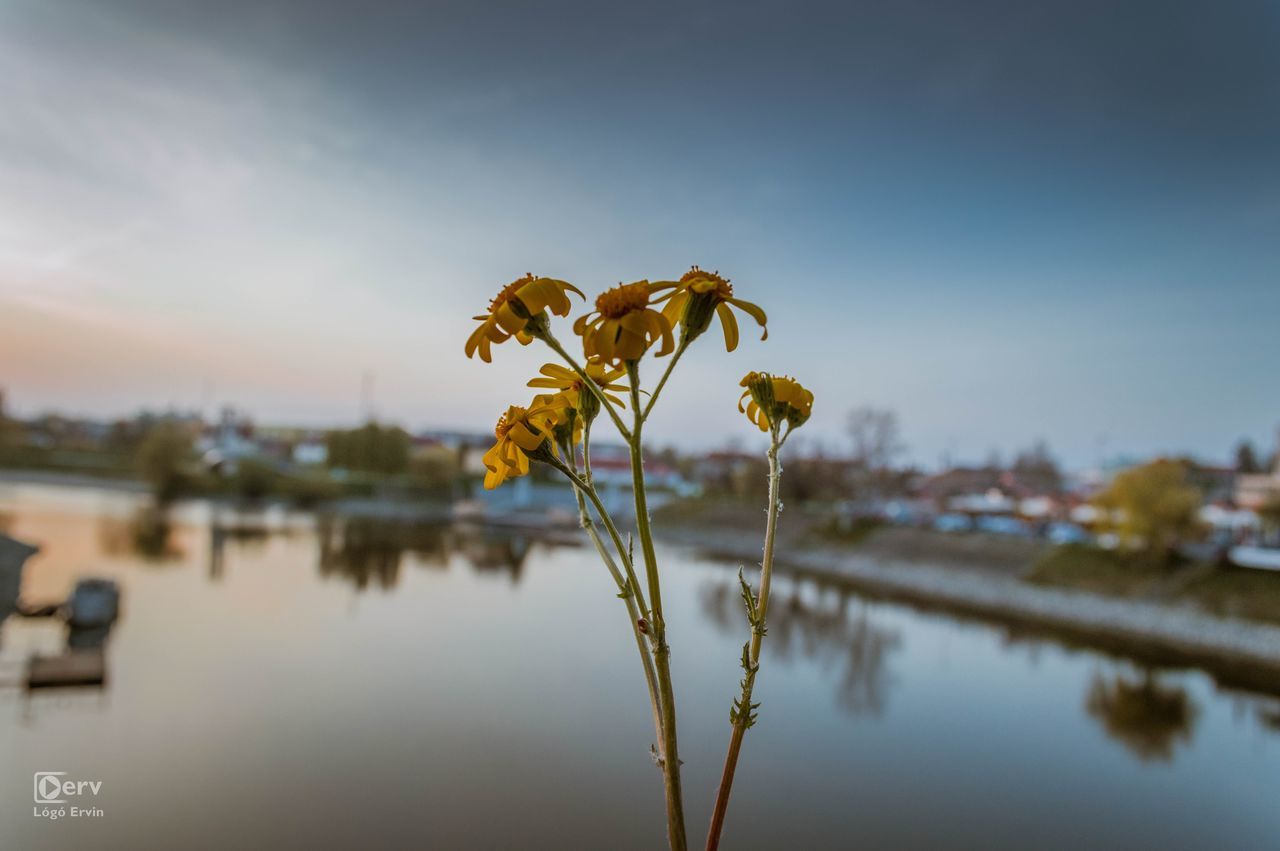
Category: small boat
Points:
column 13, row 555
column 1258, row 558
column 93, row 603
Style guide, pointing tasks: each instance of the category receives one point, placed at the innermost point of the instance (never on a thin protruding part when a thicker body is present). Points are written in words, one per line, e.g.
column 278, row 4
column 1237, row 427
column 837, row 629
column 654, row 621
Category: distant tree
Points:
column 8, row 427
column 874, row 434
column 161, row 459
column 371, row 448
column 123, row 437
column 1246, row 458
column 255, row 478
column 435, row 469
column 813, row 477
column 1150, row 507
column 1037, row 467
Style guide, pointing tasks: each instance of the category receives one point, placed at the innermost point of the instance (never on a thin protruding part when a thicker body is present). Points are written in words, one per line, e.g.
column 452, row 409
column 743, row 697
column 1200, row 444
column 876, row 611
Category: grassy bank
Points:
column 1218, row 589
column 811, row 526
column 252, row 482
column 1098, row 571
column 1213, row 589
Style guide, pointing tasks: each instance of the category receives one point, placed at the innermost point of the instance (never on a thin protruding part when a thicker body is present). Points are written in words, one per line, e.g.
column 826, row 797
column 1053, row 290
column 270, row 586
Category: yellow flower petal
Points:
column 730, row 325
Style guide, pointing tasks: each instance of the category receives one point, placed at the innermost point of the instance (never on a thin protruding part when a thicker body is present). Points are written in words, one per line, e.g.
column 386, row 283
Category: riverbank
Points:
column 1236, row 652
column 71, row 480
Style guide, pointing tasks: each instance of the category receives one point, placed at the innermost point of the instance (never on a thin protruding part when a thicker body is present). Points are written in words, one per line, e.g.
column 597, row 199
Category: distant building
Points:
column 310, row 453
column 1255, row 490
column 228, row 442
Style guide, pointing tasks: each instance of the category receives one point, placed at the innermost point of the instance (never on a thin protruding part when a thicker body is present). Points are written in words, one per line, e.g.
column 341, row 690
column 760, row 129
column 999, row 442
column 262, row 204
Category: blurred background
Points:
column 1024, row 255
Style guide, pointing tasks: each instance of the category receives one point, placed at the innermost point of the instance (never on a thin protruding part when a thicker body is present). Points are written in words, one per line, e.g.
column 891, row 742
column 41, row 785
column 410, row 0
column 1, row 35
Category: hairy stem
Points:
column 661, row 650
column 742, row 717
column 633, row 612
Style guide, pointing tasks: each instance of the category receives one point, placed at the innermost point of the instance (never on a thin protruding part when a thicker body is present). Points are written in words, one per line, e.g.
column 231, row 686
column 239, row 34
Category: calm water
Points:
column 339, row 687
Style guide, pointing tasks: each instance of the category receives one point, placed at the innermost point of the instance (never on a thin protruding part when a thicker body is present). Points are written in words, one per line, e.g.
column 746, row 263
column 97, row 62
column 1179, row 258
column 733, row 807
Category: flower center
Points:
column 698, row 281
column 513, row 415
column 623, row 299
column 509, row 292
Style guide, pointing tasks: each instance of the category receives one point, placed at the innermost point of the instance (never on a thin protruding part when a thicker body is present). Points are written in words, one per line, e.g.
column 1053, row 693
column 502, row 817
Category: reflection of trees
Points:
column 147, row 533
column 1269, row 717
column 1146, row 716
column 368, row 550
column 829, row 631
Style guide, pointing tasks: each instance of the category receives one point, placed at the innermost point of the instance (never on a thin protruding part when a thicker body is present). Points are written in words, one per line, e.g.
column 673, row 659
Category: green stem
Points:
column 624, row 554
column 629, row 598
column 551, row 341
column 744, row 719
column 661, row 650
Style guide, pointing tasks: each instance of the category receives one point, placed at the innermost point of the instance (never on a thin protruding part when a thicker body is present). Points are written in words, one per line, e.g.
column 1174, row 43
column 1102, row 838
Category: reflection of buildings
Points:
column 1146, row 716
column 369, row 551
column 829, row 630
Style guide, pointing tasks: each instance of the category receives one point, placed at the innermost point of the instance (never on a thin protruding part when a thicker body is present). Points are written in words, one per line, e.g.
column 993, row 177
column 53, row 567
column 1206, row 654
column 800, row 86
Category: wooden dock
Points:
column 70, row 669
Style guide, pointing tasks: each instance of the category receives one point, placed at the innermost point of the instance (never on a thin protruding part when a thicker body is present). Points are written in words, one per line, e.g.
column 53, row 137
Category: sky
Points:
column 1005, row 221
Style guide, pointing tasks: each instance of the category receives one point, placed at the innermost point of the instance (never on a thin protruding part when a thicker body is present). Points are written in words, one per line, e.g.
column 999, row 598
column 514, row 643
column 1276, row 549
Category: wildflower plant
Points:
column 631, row 321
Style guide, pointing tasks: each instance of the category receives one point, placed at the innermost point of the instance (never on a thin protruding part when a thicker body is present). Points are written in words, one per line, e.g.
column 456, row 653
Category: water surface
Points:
column 338, row 685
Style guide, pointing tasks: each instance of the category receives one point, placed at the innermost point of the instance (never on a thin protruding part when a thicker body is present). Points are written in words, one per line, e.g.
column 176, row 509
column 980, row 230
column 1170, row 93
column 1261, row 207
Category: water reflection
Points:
column 833, row 629
column 378, row 737
column 489, row 552
column 147, row 533
column 369, row 551
column 1269, row 717
column 1145, row 715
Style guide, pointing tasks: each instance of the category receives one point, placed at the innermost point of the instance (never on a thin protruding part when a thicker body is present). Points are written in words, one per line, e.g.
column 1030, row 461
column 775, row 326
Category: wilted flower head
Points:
column 517, row 311
column 624, row 325
column 699, row 294
column 775, row 400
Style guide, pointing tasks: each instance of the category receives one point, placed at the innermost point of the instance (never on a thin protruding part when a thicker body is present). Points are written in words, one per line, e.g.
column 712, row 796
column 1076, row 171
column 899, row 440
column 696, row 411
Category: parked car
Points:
column 1002, row 525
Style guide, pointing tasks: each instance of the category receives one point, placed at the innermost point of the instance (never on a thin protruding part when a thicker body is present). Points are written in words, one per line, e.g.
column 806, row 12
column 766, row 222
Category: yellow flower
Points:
column 697, row 295
column 624, row 325
column 520, row 303
column 522, row 433
column 774, row 400
column 562, row 378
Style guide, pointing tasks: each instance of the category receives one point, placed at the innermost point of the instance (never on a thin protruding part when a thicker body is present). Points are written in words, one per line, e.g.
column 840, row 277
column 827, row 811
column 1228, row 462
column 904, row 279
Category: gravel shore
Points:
column 1238, row 653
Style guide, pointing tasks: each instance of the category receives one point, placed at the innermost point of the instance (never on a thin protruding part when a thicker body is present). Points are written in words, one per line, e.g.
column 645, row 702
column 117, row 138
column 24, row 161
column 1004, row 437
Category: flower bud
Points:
column 588, row 405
